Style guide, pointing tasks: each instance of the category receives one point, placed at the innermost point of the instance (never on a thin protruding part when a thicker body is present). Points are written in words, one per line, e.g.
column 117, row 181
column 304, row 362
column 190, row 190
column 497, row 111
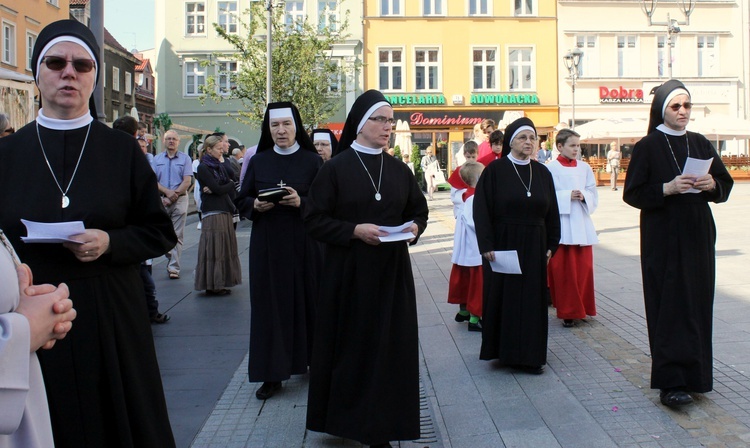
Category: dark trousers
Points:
column 149, row 289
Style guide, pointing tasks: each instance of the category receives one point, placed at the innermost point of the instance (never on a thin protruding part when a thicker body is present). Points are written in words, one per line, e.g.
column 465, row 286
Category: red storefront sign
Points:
column 620, row 95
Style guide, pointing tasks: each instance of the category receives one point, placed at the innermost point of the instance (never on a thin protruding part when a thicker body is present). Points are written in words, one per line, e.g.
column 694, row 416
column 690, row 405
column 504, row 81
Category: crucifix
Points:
column 281, row 184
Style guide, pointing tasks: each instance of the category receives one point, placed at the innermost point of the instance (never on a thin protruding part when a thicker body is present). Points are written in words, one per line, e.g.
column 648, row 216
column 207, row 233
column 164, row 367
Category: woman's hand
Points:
column 207, row 190
column 92, row 244
column 369, row 233
column 414, row 229
column 292, row 199
column 47, row 308
column 489, row 256
column 549, row 255
column 262, row 206
column 705, row 183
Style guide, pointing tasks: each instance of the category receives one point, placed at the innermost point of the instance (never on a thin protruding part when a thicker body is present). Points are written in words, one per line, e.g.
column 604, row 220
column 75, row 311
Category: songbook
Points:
column 274, row 194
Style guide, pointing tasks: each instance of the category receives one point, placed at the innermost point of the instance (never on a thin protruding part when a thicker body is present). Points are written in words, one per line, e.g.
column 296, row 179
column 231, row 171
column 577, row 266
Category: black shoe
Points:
column 476, row 327
column 461, row 318
column 160, row 318
column 267, row 390
column 381, row 445
column 533, row 370
column 567, row 323
column 674, row 397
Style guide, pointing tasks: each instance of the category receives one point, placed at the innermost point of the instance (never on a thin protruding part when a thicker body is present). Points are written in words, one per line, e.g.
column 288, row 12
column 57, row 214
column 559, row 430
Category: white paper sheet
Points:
column 395, row 233
column 506, row 262
column 697, row 168
column 51, row 232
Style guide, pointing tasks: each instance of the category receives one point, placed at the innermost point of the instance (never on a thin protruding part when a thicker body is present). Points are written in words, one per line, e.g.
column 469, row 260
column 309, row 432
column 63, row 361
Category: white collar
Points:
column 358, row 147
column 63, row 125
column 286, row 151
column 517, row 161
column 669, row 131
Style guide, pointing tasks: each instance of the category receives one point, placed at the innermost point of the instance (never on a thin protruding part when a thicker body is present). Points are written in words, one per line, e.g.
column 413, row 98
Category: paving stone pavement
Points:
column 594, row 392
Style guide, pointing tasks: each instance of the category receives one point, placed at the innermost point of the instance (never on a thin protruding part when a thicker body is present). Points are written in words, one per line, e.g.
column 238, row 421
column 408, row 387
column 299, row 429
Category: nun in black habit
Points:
column 678, row 239
column 515, row 208
column 325, row 143
column 102, row 381
column 364, row 377
column 284, row 260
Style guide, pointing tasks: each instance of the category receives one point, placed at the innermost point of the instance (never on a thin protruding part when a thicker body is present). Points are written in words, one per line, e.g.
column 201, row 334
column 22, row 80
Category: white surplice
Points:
column 576, row 226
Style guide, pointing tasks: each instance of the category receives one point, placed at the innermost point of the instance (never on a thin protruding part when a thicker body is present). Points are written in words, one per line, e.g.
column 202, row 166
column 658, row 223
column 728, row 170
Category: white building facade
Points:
column 625, row 57
column 185, row 40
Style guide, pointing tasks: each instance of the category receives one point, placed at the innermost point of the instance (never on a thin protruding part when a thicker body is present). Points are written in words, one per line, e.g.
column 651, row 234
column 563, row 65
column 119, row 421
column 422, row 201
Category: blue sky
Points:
column 131, row 22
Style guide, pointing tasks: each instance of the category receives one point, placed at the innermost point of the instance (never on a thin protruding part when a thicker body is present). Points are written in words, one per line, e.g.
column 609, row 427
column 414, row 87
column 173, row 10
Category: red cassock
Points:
column 570, row 275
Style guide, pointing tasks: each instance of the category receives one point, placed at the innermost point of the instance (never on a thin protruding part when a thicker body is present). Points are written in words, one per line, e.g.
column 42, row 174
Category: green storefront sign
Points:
column 505, row 98
column 416, row 99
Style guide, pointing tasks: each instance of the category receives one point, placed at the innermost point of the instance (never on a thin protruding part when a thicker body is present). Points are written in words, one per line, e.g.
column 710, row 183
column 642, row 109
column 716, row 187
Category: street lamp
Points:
column 572, row 60
column 686, row 7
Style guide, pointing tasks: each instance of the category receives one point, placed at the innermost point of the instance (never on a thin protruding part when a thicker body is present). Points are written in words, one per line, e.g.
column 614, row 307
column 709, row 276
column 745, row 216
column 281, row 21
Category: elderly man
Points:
column 174, row 173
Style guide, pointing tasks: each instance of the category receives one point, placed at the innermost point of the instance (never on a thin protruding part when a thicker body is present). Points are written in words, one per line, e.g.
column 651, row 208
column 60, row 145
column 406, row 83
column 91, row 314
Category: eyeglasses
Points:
column 523, row 138
column 383, row 120
column 676, row 107
column 57, row 64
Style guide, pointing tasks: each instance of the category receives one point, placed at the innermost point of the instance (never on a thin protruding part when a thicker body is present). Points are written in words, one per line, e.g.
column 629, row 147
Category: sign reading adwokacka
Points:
column 505, row 98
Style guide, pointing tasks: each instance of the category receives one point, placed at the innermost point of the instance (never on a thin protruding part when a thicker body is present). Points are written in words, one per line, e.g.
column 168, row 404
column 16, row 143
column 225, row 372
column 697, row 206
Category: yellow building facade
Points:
column 446, row 65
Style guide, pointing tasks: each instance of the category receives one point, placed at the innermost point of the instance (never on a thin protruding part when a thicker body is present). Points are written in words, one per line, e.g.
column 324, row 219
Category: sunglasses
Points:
column 57, row 64
column 675, row 107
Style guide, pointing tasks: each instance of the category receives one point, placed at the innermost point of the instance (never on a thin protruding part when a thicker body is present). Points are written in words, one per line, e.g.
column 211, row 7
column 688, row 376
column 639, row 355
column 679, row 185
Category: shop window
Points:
column 391, row 68
column 521, row 69
column 708, row 56
column 426, row 69
column 484, row 68
column 627, row 56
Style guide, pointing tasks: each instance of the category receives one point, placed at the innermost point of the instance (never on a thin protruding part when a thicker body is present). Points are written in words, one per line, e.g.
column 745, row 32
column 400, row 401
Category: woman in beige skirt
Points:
column 218, row 265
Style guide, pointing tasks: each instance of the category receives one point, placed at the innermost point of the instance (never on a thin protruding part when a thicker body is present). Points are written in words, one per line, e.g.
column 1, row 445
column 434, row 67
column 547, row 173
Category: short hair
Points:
column 142, row 125
column 126, row 124
column 487, row 122
column 470, row 147
column 496, row 137
column 236, row 151
column 470, row 172
column 564, row 135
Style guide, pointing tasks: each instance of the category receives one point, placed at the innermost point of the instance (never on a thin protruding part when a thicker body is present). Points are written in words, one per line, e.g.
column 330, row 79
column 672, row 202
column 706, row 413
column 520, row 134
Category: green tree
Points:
column 162, row 123
column 302, row 67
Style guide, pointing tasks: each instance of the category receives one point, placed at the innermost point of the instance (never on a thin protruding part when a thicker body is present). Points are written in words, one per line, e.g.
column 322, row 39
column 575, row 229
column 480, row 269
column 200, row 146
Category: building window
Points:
column 9, row 43
column 426, row 69
column 521, row 68
column 391, row 68
column 295, row 15
column 195, row 19
column 524, row 7
column 484, row 62
column 390, row 7
column 53, row 2
column 662, row 58
column 479, row 7
column 115, row 114
column 128, row 83
column 328, row 15
column 334, row 80
column 708, row 56
column 195, row 78
column 432, row 8
column 627, row 56
column 589, row 65
column 228, row 16
column 227, row 79
column 116, row 79
column 30, row 41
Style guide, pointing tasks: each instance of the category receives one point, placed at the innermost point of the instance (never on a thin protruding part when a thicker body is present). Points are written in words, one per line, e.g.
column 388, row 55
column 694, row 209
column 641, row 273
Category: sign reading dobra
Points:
column 419, row 98
column 436, row 118
column 505, row 98
column 620, row 95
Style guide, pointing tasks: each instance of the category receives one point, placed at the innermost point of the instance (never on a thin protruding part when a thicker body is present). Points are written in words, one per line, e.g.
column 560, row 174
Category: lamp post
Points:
column 572, row 60
column 686, row 7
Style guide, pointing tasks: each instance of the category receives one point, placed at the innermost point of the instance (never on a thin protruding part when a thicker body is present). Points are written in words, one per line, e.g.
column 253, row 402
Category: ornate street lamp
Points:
column 686, row 7
column 572, row 60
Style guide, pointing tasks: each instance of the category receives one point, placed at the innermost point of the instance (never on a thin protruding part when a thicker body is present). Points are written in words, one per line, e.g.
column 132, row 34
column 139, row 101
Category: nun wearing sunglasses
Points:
column 102, row 381
column 678, row 238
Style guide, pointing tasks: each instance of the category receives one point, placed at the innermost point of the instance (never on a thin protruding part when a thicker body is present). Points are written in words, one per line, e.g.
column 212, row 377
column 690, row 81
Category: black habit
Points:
column 364, row 377
column 678, row 236
column 514, row 319
column 284, row 267
column 102, row 380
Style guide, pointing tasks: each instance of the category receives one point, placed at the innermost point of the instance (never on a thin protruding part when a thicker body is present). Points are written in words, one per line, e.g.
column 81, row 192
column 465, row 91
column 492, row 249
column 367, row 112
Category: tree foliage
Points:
column 302, row 66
